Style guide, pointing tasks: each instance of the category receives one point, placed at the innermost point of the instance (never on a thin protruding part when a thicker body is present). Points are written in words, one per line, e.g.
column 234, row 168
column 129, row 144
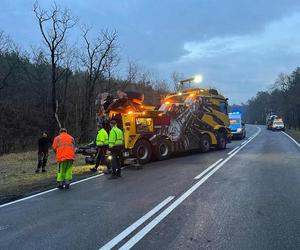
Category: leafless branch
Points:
column 54, row 26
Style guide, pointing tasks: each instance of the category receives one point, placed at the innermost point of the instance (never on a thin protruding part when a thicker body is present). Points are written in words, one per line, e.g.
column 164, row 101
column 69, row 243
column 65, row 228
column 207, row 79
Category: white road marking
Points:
column 47, row 191
column 245, row 141
column 208, row 169
column 3, row 228
column 135, row 225
column 137, row 237
column 86, row 179
column 291, row 138
column 229, row 153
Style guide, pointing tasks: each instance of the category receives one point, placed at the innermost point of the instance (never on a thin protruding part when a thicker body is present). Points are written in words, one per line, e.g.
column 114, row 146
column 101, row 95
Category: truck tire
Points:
column 222, row 141
column 204, row 143
column 142, row 150
column 163, row 149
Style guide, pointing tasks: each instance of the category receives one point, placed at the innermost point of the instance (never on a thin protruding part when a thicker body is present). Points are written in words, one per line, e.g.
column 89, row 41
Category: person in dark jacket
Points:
column 43, row 149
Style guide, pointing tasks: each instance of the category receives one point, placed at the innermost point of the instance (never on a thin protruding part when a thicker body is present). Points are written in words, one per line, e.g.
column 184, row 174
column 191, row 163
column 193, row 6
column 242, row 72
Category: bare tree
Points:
column 10, row 54
column 68, row 65
column 176, row 77
column 132, row 75
column 282, row 82
column 98, row 60
column 54, row 25
column 4, row 42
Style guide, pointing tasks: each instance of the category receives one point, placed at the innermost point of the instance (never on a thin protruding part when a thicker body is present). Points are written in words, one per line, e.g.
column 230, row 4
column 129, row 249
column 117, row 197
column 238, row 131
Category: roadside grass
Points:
column 18, row 177
column 294, row 133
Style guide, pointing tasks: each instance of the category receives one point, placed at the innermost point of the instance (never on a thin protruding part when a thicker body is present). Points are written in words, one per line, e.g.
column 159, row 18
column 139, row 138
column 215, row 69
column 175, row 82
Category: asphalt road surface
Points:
column 245, row 197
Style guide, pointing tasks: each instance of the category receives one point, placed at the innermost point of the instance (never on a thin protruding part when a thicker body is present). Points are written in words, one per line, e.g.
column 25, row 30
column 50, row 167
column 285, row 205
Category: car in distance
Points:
column 237, row 126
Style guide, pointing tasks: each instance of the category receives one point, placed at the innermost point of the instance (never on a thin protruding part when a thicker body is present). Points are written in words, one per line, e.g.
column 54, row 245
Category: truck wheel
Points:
column 163, row 149
column 204, row 143
column 222, row 141
column 142, row 151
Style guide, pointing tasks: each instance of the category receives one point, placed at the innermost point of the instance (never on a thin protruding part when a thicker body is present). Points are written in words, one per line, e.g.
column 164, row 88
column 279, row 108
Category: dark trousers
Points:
column 42, row 160
column 100, row 159
column 116, row 162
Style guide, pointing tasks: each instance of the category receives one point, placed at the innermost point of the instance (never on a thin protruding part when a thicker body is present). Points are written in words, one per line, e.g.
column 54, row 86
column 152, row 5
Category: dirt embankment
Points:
column 18, row 177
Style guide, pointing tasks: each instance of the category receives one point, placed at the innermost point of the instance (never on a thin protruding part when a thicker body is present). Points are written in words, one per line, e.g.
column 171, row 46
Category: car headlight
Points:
column 239, row 130
column 109, row 157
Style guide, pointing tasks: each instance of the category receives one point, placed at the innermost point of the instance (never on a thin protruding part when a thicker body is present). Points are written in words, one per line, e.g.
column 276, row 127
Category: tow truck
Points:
column 278, row 124
column 190, row 119
column 269, row 120
column 273, row 122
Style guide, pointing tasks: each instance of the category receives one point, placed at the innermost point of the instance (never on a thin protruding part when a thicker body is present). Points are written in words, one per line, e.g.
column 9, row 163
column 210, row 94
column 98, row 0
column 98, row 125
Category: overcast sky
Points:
column 240, row 46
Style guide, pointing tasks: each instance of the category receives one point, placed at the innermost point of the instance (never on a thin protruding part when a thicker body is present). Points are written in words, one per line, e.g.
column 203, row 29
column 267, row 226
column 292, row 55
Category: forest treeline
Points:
column 57, row 84
column 282, row 99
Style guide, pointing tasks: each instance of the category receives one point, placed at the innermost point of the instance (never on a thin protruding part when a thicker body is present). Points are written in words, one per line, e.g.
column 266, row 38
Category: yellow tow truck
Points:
column 186, row 120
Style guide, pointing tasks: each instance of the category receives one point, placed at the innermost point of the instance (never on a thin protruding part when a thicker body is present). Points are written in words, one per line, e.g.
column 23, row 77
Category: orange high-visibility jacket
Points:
column 64, row 147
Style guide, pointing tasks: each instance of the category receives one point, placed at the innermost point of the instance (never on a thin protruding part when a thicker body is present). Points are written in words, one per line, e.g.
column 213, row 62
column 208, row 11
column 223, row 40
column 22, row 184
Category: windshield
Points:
column 223, row 107
column 235, row 121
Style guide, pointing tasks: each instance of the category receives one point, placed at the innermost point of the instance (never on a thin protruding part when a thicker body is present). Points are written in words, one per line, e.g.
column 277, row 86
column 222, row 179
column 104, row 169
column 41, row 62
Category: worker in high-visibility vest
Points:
column 115, row 144
column 64, row 147
column 102, row 145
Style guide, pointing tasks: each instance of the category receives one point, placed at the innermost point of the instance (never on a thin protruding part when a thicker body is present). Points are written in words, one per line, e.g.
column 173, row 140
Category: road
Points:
column 239, row 198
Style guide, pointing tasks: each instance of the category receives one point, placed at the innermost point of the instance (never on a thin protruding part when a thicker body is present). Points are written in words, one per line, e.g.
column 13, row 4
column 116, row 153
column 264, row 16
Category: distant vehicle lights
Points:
column 236, row 112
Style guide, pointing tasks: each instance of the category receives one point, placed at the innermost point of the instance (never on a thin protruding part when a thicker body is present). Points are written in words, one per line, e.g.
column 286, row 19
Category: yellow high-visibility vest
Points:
column 116, row 137
column 102, row 138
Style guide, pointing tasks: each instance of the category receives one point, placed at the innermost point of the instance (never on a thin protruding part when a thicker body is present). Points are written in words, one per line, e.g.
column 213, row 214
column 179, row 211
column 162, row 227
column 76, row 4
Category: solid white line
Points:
column 250, row 138
column 229, row 153
column 245, row 141
column 137, row 237
column 47, row 191
column 208, row 169
column 27, row 198
column 135, row 225
column 87, row 179
column 291, row 138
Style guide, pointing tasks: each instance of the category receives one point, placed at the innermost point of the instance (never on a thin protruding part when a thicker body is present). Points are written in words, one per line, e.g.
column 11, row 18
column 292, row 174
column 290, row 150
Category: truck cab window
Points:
column 223, row 107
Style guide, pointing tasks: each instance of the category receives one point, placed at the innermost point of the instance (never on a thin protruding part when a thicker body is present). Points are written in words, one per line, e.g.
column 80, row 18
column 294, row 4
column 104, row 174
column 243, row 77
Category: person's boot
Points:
column 60, row 185
column 94, row 169
column 37, row 171
column 43, row 170
column 67, row 186
column 118, row 174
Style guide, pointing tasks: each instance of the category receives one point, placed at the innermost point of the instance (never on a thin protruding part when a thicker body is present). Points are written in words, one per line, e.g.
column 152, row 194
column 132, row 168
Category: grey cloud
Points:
column 156, row 33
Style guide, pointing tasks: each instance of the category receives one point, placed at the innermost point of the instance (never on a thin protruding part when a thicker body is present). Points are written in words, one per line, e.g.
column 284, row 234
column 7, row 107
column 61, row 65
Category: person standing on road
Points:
column 115, row 144
column 43, row 149
column 102, row 145
column 64, row 147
